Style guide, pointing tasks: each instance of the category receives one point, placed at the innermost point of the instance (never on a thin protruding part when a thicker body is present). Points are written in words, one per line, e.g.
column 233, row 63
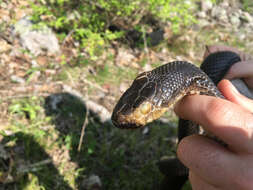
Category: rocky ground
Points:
column 35, row 64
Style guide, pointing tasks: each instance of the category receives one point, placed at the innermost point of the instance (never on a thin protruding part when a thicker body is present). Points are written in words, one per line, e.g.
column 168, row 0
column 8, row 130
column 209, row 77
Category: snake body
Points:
column 153, row 92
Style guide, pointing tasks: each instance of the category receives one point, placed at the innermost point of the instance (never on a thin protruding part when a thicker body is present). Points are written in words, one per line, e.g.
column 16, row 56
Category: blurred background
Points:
column 65, row 63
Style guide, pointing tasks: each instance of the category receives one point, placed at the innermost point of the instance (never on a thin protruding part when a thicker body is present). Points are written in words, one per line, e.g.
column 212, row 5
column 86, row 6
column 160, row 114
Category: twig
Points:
column 94, row 85
column 145, row 43
column 34, row 167
column 102, row 113
column 66, row 38
column 83, row 129
column 71, row 79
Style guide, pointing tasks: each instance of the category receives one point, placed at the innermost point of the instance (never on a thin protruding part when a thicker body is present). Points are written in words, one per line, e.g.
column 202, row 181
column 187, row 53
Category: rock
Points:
column 34, row 63
column 224, row 4
column 155, row 37
column 4, row 46
column 220, row 14
column 123, row 87
column 241, row 35
column 235, row 20
column 147, row 67
column 3, row 153
column 37, row 41
column 17, row 79
column 246, row 17
column 201, row 14
column 92, row 183
column 203, row 22
column 206, row 5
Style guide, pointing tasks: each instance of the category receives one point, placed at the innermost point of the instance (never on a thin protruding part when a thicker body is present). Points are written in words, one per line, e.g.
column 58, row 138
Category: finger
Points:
column 217, row 48
column 242, row 69
column 198, row 183
column 226, row 120
column 230, row 93
column 249, row 82
column 215, row 164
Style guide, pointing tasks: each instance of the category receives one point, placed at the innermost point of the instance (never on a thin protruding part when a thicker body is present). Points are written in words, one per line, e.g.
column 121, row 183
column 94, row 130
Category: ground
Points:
column 46, row 100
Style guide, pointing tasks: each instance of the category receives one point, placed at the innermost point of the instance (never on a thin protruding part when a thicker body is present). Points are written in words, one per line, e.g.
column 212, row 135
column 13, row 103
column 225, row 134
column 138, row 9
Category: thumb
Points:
column 230, row 93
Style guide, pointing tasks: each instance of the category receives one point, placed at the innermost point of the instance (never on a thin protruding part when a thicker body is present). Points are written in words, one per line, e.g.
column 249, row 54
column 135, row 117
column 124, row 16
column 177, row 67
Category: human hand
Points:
column 211, row 165
column 242, row 69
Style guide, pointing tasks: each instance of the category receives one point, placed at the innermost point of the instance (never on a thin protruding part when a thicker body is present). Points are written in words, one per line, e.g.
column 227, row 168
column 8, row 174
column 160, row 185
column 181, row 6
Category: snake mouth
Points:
column 138, row 118
column 128, row 126
column 120, row 121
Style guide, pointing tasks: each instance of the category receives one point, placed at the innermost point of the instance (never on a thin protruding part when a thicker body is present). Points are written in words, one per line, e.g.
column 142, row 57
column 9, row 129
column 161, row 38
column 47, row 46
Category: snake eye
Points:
column 146, row 108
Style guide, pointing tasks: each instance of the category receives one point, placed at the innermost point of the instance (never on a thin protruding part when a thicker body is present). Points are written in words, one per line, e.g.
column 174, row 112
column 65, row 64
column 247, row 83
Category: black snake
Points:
column 153, row 92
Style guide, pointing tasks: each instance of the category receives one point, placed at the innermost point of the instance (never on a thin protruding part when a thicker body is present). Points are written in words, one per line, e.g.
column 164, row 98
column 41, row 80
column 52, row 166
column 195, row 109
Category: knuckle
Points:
column 217, row 110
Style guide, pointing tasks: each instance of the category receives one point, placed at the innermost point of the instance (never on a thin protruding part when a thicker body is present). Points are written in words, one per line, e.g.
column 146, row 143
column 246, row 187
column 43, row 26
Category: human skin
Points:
column 213, row 166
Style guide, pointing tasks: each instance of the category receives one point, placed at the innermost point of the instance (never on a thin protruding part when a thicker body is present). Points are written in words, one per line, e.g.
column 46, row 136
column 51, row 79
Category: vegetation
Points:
column 95, row 23
column 106, row 152
column 40, row 132
column 247, row 5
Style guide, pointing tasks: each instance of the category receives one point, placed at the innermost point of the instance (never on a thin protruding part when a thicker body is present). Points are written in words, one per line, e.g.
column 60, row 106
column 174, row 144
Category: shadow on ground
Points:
column 122, row 159
column 28, row 156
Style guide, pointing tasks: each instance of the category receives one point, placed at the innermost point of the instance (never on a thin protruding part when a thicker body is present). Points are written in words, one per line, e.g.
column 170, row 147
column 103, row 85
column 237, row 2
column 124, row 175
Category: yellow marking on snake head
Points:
column 138, row 115
column 157, row 113
column 145, row 108
column 144, row 114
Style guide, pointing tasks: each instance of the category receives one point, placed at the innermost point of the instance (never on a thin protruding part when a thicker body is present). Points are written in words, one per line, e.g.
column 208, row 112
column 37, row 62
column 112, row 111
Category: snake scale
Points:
column 153, row 92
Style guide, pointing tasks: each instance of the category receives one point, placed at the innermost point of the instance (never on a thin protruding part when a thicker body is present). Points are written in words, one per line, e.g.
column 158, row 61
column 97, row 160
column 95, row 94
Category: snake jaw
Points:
column 138, row 118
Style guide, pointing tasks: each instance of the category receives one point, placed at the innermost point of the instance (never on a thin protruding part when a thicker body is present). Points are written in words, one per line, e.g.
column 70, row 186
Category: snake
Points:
column 153, row 92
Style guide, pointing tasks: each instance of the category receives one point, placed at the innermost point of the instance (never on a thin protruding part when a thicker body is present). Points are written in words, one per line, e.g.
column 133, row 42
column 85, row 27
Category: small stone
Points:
column 49, row 72
column 155, row 37
column 147, row 67
column 224, row 4
column 145, row 130
column 17, row 79
column 37, row 41
column 3, row 5
column 206, row 5
column 241, row 36
column 201, row 14
column 203, row 22
column 4, row 46
column 220, row 14
column 235, row 20
column 3, row 153
column 246, row 17
column 34, row 63
column 123, row 87
column 93, row 182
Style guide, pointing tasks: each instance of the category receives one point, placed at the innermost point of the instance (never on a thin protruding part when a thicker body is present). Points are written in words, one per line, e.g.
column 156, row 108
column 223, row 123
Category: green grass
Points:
column 247, row 5
column 111, row 74
column 122, row 159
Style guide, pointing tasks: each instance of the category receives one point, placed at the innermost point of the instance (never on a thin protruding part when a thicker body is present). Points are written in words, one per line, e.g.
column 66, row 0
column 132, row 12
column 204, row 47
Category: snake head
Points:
column 153, row 92
column 136, row 107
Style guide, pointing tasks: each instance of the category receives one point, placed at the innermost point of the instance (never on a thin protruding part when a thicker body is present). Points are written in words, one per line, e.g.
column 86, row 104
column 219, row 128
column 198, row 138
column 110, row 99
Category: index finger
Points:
column 242, row 69
column 226, row 120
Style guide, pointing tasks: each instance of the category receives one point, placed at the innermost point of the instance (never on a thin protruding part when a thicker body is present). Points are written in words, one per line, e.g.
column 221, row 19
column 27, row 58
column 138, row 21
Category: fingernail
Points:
column 234, row 89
